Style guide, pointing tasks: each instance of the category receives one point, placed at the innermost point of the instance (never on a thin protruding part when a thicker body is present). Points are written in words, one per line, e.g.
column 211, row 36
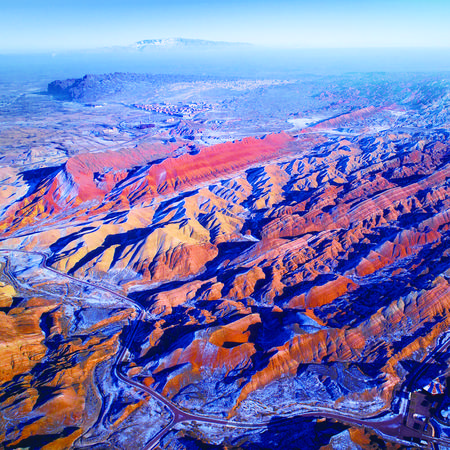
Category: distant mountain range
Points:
column 181, row 42
column 171, row 44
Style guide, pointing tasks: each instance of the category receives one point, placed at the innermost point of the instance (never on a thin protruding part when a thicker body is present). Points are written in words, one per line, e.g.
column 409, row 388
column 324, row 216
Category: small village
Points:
column 186, row 110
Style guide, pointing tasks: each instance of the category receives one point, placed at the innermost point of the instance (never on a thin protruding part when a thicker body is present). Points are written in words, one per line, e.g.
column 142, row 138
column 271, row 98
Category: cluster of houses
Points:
column 186, row 110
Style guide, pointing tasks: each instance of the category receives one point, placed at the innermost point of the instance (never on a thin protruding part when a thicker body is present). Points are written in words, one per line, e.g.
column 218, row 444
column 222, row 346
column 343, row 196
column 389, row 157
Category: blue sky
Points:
column 53, row 25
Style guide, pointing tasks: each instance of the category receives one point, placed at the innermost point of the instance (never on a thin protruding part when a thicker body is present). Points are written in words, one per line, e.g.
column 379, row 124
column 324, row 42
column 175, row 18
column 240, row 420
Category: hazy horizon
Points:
column 52, row 26
column 132, row 46
column 251, row 62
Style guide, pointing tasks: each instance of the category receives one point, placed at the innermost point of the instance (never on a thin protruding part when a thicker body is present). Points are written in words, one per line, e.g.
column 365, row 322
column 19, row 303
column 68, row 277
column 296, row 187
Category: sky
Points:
column 54, row 25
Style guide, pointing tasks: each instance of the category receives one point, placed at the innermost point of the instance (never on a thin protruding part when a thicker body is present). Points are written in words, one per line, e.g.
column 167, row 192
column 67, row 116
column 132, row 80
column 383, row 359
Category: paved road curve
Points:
column 387, row 424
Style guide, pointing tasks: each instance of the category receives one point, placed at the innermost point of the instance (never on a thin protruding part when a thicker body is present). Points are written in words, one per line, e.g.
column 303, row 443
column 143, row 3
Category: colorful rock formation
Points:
column 279, row 272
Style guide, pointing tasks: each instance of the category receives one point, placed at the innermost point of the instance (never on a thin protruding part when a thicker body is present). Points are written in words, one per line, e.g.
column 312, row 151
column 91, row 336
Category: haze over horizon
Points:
column 50, row 25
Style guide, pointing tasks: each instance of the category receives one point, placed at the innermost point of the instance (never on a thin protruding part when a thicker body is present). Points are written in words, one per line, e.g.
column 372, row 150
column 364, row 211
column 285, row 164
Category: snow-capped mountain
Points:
column 181, row 42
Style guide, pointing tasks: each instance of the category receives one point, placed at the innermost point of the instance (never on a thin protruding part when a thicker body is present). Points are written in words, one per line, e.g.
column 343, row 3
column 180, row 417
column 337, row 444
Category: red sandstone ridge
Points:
column 111, row 167
column 344, row 119
column 323, row 294
column 100, row 176
column 174, row 173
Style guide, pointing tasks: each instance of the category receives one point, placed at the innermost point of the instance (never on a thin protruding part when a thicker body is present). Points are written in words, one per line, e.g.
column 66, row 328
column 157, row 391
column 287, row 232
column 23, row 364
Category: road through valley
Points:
column 389, row 425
